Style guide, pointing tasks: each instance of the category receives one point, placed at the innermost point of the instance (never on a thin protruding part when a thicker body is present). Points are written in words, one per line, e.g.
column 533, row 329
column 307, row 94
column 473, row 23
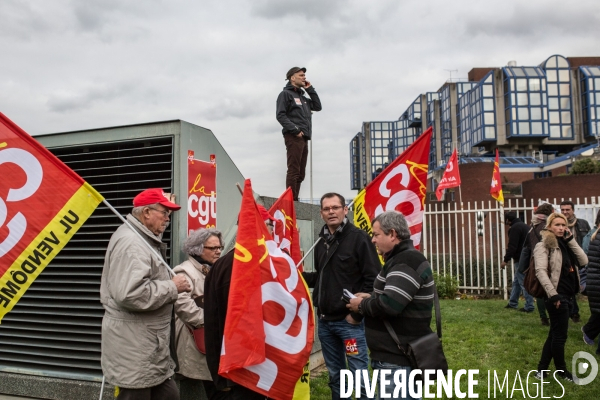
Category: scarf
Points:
column 571, row 258
column 571, row 226
column 538, row 219
column 330, row 237
column 205, row 266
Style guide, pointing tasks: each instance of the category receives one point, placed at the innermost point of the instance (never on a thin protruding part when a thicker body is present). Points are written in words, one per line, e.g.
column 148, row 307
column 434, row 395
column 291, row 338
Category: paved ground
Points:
column 6, row 397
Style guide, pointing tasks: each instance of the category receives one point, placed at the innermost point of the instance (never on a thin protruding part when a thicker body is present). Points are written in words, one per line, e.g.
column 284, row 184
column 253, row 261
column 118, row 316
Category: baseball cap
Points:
column 153, row 196
column 292, row 71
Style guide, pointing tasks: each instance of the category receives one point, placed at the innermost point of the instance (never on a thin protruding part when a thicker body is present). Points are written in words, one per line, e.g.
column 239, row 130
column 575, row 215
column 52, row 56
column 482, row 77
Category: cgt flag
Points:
column 496, row 187
column 285, row 231
column 42, row 204
column 451, row 176
column 269, row 326
column 401, row 187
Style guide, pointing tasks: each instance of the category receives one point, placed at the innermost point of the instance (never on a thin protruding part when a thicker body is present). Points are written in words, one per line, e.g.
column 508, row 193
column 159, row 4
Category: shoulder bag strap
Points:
column 438, row 321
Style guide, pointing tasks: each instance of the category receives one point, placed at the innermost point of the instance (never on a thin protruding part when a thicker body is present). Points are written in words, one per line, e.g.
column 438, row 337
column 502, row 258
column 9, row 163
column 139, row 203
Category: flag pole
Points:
column 102, row 387
column 308, row 252
column 140, row 236
column 503, row 241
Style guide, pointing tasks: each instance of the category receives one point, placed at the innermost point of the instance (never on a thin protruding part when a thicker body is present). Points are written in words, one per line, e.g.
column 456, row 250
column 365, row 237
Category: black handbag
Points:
column 426, row 352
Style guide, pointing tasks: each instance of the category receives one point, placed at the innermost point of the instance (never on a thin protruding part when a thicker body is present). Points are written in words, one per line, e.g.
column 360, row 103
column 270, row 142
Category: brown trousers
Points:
column 297, row 155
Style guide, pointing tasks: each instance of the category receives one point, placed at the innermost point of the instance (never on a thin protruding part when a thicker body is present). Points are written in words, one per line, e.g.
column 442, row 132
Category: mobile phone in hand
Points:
column 347, row 295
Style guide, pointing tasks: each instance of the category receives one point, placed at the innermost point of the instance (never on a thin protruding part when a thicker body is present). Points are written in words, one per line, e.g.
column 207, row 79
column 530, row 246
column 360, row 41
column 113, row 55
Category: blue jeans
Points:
column 389, row 387
column 517, row 288
column 333, row 336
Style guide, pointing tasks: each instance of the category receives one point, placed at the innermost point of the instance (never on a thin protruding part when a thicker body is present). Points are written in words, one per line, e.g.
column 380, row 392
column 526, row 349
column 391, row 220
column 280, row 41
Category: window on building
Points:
column 558, row 76
column 525, row 101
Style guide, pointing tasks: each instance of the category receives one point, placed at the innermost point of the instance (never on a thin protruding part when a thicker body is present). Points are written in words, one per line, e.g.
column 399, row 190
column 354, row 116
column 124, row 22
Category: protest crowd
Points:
column 242, row 321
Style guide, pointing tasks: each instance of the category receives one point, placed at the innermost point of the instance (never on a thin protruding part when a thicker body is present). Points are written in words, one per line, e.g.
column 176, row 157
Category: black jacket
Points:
column 216, row 294
column 294, row 111
column 582, row 227
column 517, row 233
column 592, row 287
column 350, row 262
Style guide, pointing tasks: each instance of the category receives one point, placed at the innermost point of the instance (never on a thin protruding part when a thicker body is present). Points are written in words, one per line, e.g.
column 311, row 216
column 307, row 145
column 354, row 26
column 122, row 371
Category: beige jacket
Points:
column 547, row 249
column 192, row 363
column 138, row 295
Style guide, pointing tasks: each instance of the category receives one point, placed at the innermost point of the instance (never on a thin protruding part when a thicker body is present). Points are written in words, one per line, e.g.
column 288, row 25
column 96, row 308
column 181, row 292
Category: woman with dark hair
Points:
column 592, row 288
column 557, row 261
column 203, row 248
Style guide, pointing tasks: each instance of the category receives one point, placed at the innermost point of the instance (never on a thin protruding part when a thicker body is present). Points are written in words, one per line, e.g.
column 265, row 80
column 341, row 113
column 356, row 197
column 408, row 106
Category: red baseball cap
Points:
column 153, row 196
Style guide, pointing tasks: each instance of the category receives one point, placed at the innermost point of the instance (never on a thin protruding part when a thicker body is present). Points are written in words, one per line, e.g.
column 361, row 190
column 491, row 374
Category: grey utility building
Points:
column 50, row 342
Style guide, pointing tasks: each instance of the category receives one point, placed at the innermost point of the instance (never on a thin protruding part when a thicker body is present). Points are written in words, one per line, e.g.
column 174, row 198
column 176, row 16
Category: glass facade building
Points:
column 590, row 100
column 535, row 112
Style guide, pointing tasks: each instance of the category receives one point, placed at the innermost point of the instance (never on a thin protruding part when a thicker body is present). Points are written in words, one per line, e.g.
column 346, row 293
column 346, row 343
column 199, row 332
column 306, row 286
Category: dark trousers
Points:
column 165, row 391
column 541, row 306
column 212, row 392
column 238, row 392
column 573, row 307
column 554, row 348
column 297, row 155
column 592, row 328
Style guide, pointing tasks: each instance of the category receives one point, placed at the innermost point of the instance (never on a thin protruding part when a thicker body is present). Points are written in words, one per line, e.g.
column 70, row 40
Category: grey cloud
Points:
column 531, row 20
column 309, row 9
column 22, row 20
column 85, row 98
column 231, row 107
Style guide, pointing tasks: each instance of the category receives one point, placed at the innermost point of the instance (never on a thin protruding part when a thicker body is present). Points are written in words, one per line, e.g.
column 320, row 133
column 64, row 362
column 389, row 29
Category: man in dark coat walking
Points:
column 517, row 233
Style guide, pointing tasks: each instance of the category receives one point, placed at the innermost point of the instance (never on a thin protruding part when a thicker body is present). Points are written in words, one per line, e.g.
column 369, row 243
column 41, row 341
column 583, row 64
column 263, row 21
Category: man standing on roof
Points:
column 295, row 105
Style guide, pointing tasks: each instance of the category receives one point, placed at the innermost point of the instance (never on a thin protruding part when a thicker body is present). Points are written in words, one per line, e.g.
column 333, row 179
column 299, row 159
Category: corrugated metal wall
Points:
column 55, row 329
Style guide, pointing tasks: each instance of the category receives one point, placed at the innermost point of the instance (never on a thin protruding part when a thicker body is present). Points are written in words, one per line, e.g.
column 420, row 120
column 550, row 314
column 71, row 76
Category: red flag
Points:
column 285, row 231
column 401, row 187
column 496, row 187
column 269, row 326
column 451, row 176
column 42, row 204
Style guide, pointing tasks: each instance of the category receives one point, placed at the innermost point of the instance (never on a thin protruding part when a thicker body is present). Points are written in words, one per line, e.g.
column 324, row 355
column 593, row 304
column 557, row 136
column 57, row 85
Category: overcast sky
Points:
column 83, row 64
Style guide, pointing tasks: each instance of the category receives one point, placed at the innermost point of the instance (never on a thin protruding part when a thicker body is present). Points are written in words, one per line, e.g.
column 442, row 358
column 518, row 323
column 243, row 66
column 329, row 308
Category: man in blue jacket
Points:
column 295, row 105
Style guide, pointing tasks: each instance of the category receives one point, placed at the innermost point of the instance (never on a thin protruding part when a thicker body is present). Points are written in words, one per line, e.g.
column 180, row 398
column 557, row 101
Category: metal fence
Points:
column 469, row 242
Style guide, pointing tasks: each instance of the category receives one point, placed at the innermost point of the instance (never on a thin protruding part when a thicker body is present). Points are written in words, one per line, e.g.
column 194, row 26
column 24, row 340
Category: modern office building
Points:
column 539, row 117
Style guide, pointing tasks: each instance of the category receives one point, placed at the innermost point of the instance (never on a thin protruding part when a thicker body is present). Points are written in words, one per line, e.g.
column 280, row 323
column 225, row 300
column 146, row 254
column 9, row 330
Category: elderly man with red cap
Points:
column 138, row 293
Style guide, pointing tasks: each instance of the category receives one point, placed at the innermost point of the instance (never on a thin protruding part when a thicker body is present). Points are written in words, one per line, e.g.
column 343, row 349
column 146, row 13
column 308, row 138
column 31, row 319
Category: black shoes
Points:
column 545, row 373
column 566, row 375
column 525, row 311
column 509, row 306
column 575, row 318
column 563, row 374
column 545, row 321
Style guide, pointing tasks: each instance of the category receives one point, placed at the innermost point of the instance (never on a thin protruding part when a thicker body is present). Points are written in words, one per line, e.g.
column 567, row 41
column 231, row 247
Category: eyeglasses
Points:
column 332, row 208
column 165, row 213
column 214, row 248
